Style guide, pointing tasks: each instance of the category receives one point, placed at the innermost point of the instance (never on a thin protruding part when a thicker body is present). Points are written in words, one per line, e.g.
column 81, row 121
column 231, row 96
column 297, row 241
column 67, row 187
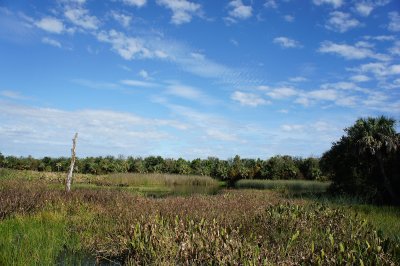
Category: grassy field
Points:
column 99, row 221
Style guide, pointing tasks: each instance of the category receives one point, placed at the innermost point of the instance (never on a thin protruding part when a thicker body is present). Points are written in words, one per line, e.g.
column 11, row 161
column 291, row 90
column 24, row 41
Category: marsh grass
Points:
column 290, row 186
column 384, row 218
column 237, row 227
column 53, row 177
column 33, row 239
column 157, row 180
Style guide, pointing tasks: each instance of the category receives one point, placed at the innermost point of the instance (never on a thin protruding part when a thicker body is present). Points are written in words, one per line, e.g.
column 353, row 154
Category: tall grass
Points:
column 293, row 186
column 33, row 240
column 160, row 180
column 384, row 218
column 7, row 174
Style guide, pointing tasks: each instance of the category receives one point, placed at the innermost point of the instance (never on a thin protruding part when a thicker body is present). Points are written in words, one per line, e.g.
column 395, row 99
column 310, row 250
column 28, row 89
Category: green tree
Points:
column 309, row 168
column 182, row 167
column 281, row 167
column 359, row 162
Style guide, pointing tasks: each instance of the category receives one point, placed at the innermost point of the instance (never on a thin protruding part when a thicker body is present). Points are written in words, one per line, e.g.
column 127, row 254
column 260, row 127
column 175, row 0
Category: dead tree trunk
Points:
column 71, row 167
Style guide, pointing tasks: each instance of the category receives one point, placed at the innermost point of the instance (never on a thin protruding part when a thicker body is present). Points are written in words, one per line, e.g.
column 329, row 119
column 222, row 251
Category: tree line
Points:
column 277, row 167
column 365, row 162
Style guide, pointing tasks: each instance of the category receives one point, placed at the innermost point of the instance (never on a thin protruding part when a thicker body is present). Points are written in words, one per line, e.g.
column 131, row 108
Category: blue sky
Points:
column 186, row 78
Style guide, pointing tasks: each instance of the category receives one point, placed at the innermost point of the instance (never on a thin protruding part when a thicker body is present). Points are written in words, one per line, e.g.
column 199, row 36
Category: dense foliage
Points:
column 366, row 161
column 231, row 170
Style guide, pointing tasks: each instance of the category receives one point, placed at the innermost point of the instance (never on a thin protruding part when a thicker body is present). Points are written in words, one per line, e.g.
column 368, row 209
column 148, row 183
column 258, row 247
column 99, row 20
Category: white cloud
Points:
column 395, row 49
column 173, row 52
column 271, row 4
column 286, row 42
column 95, row 84
column 128, row 47
column 360, row 78
column 341, row 22
column 341, row 85
column 334, row 3
column 380, row 38
column 364, row 8
column 182, row 10
column 282, row 92
column 80, row 17
column 325, row 94
column 100, row 131
column 239, row 10
column 350, row 52
column 144, row 74
column 288, row 18
column 220, row 135
column 328, row 94
column 234, row 42
column 303, row 101
column 124, row 20
column 364, row 44
column 77, row 2
column 291, row 128
column 298, row 79
column 50, row 24
column 204, row 128
column 15, row 95
column 138, row 83
column 137, row 3
column 394, row 24
column 379, row 70
column 248, row 99
column 186, row 92
column 263, row 88
column 51, row 42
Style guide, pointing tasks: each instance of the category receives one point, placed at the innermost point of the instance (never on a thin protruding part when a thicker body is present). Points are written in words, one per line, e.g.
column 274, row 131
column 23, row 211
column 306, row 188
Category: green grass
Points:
column 291, row 186
column 33, row 240
column 385, row 218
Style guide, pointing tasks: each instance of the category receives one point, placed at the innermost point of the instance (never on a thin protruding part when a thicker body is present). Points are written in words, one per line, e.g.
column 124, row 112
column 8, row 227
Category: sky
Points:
column 192, row 79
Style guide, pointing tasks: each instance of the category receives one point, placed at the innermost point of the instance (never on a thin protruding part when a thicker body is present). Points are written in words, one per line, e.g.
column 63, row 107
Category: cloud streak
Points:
column 357, row 51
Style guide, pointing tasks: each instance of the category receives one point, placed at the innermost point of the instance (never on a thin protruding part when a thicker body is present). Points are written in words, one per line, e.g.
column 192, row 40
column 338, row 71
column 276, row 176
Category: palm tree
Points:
column 376, row 137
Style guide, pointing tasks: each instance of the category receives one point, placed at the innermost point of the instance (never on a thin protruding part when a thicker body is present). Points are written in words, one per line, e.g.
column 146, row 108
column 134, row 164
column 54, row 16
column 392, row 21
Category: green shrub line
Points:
column 276, row 167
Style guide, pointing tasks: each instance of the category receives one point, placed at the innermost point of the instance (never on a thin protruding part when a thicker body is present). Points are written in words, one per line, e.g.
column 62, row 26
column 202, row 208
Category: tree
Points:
column 71, row 169
column 377, row 137
column 281, row 167
column 309, row 168
column 182, row 167
column 1, row 159
column 359, row 161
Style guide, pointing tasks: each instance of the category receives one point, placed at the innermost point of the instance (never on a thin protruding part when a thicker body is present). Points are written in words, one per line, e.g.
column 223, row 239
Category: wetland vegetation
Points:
column 337, row 210
column 108, row 223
